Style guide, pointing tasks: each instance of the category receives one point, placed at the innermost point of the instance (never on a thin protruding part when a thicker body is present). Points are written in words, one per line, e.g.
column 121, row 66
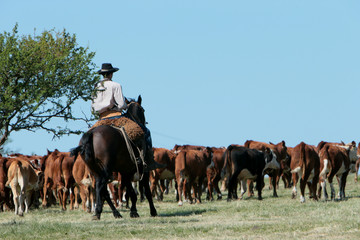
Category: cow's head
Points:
column 352, row 151
column 271, row 162
column 280, row 150
column 40, row 178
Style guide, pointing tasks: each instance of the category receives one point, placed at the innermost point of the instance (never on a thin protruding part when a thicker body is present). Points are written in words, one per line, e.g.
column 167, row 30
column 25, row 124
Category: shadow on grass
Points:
column 11, row 223
column 180, row 213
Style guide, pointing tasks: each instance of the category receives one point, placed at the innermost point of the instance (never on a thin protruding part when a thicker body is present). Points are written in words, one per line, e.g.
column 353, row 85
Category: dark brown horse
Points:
column 104, row 149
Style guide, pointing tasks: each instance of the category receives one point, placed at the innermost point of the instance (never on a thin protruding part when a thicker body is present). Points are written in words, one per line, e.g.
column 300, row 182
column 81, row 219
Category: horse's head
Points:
column 136, row 111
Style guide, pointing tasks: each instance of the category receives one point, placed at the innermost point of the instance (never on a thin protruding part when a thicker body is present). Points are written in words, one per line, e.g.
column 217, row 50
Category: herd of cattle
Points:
column 58, row 178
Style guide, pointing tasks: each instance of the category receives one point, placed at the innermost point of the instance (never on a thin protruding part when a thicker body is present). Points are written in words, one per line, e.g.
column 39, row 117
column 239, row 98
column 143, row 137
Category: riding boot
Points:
column 150, row 163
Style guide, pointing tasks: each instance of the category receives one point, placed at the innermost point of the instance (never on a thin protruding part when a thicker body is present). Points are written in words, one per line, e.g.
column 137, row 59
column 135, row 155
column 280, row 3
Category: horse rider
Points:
column 109, row 103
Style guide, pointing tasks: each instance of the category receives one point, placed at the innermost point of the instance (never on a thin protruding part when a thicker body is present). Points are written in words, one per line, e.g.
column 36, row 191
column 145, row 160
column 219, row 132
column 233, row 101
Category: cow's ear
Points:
column 271, row 143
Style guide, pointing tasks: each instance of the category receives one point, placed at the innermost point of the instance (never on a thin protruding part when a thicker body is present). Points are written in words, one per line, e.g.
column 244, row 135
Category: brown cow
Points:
column 66, row 185
column 305, row 164
column 178, row 148
column 58, row 177
column 357, row 163
column 214, row 172
column 23, row 179
column 34, row 160
column 5, row 192
column 335, row 159
column 167, row 158
column 280, row 151
column 85, row 183
column 191, row 166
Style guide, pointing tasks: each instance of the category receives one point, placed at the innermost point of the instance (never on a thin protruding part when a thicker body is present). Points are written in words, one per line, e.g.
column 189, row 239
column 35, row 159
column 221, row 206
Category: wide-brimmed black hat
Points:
column 107, row 68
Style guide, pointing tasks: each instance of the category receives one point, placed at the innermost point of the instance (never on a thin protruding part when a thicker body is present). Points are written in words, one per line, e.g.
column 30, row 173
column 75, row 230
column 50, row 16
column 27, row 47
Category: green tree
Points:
column 41, row 77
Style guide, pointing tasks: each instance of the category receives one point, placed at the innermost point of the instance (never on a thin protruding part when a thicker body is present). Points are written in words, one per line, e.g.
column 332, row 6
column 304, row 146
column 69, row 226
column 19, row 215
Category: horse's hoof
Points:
column 117, row 215
column 95, row 217
column 134, row 215
column 153, row 213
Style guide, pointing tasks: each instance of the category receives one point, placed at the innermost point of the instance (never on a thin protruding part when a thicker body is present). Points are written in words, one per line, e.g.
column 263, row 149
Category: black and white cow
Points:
column 242, row 163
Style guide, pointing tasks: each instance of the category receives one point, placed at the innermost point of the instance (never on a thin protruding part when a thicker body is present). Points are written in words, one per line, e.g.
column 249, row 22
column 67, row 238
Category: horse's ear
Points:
column 139, row 99
column 126, row 100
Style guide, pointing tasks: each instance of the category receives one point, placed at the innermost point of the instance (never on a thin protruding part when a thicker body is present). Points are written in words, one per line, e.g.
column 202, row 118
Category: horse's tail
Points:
column 85, row 148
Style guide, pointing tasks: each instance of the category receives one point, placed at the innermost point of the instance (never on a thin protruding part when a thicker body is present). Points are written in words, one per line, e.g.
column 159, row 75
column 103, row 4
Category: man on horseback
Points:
column 110, row 104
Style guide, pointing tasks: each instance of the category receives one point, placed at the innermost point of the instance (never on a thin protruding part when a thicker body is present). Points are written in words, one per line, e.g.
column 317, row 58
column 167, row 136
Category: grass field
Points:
column 271, row 218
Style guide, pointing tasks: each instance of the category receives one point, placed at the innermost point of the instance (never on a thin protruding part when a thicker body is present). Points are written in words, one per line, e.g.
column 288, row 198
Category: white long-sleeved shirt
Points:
column 109, row 96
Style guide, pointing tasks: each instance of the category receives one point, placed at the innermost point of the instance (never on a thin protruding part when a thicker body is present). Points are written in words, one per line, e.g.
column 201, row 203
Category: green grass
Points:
column 271, row 218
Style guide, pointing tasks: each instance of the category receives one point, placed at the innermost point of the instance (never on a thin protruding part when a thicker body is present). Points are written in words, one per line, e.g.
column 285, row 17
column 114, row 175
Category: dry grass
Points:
column 271, row 218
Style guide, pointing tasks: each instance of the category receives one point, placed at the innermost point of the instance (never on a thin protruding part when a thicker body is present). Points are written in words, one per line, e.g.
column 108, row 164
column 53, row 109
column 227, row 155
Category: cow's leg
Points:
column 112, row 189
column 16, row 192
column 72, row 198
column 295, row 180
column 243, row 188
column 357, row 169
column 180, row 185
column 92, row 195
column 27, row 200
column 45, row 190
column 302, row 188
column 199, row 189
column 176, row 191
column 162, row 189
column 342, row 184
column 21, row 203
column 76, row 196
column 259, row 186
column 332, row 188
column 122, row 193
column 250, row 188
column 313, row 187
column 274, row 182
column 216, row 187
column 153, row 184
column 65, row 195
column 188, row 185
column 270, row 182
column 210, row 186
column 232, row 185
column 84, row 195
column 323, row 186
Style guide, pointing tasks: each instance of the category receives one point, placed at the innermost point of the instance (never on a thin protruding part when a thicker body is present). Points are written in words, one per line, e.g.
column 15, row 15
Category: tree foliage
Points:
column 41, row 77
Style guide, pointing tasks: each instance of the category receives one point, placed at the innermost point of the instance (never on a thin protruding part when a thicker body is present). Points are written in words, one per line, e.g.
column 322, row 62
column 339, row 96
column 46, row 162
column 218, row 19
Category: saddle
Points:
column 132, row 129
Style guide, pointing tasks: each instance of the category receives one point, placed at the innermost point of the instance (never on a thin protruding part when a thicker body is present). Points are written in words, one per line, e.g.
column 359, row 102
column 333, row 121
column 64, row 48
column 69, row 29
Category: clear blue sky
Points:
column 214, row 73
